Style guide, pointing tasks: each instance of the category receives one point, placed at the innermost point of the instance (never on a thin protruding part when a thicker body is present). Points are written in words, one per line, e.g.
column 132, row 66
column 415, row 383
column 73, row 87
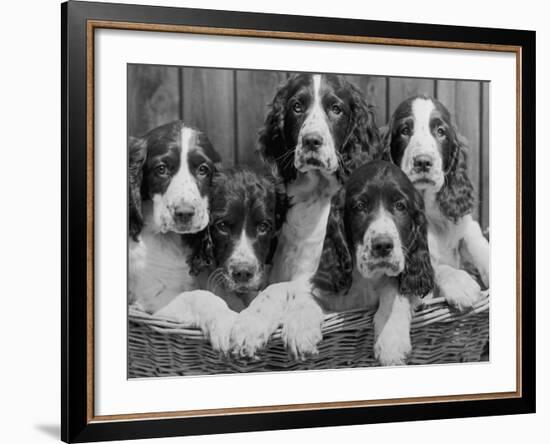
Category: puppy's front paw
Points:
column 218, row 330
column 249, row 334
column 301, row 333
column 459, row 288
column 392, row 348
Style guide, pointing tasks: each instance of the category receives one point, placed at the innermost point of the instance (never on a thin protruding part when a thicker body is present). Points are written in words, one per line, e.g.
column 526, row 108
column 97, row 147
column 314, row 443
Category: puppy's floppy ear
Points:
column 386, row 137
column 281, row 205
column 456, row 197
column 364, row 136
column 202, row 251
column 137, row 154
column 417, row 278
column 208, row 149
column 334, row 273
column 271, row 140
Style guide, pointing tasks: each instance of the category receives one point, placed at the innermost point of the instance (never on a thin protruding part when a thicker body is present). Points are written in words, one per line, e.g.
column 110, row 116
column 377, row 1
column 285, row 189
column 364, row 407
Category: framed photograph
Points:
column 275, row 221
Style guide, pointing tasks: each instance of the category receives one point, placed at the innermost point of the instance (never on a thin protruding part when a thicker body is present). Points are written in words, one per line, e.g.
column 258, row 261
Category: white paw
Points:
column 459, row 288
column 218, row 330
column 484, row 273
column 249, row 334
column 301, row 333
column 392, row 347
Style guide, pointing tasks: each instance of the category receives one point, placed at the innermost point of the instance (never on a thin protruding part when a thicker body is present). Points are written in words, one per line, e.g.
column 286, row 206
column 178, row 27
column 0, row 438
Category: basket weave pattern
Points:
column 158, row 347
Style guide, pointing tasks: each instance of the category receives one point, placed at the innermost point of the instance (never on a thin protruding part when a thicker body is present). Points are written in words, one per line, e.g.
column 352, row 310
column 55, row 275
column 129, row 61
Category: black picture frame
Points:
column 77, row 424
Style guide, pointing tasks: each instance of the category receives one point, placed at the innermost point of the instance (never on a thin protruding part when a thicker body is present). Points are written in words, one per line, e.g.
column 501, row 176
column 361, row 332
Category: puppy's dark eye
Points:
column 263, row 227
column 161, row 170
column 405, row 131
column 297, row 108
column 222, row 226
column 203, row 170
column 400, row 205
column 336, row 109
column 360, row 206
column 440, row 131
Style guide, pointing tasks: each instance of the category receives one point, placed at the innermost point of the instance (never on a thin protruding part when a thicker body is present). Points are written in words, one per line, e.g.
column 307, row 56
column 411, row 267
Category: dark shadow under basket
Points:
column 439, row 334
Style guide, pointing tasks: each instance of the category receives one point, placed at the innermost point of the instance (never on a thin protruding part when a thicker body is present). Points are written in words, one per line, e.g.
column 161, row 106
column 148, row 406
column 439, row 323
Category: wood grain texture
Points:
column 255, row 91
column 230, row 107
column 463, row 100
column 375, row 89
column 403, row 88
column 209, row 104
column 153, row 97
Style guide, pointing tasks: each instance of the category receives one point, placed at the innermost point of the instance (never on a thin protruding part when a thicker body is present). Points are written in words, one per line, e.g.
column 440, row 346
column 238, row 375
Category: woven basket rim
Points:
column 430, row 311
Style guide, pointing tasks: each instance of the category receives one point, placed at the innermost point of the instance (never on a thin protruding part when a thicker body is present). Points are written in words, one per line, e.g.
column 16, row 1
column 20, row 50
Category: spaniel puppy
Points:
column 246, row 212
column 230, row 257
column 375, row 255
column 170, row 176
column 319, row 127
column 423, row 142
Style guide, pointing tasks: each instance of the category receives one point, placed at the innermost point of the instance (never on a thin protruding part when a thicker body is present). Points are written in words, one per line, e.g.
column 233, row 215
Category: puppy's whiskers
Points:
column 216, row 280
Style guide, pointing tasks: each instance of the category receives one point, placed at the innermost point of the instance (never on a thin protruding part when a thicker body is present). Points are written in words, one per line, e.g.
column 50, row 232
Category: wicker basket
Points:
column 158, row 347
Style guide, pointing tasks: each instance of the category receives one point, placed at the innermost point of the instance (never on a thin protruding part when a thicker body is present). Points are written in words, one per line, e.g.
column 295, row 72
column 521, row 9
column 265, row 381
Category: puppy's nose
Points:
column 242, row 273
column 382, row 246
column 312, row 141
column 422, row 163
column 183, row 213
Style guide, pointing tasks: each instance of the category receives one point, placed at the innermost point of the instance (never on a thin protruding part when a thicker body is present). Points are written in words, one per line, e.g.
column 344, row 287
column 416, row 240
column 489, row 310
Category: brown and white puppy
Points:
column 375, row 255
column 319, row 127
column 422, row 140
column 246, row 211
column 170, row 178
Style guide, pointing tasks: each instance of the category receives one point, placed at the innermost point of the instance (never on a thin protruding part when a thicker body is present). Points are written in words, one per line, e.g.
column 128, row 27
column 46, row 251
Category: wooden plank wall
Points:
column 230, row 107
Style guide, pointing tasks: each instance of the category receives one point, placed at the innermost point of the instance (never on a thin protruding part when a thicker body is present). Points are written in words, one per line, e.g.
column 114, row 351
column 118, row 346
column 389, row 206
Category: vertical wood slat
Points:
column 209, row 104
column 153, row 97
column 231, row 106
column 462, row 99
column 485, row 151
column 401, row 89
column 374, row 89
column 255, row 90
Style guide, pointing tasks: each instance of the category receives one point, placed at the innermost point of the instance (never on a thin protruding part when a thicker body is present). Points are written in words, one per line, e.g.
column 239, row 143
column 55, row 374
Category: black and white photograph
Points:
column 283, row 221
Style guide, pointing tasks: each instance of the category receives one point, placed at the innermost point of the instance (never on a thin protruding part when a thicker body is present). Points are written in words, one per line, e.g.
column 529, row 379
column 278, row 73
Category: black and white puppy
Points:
column 170, row 178
column 318, row 129
column 422, row 140
column 375, row 255
column 246, row 211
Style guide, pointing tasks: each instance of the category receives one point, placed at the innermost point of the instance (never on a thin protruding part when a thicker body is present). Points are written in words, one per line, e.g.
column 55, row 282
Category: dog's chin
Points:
column 373, row 268
column 243, row 289
column 305, row 162
column 193, row 226
column 425, row 182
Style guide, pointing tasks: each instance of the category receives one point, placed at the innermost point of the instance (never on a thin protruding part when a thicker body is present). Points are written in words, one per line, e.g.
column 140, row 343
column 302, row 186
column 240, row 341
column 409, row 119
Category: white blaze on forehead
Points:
column 183, row 182
column 317, row 89
column 244, row 251
column 182, row 190
column 316, row 122
column 423, row 142
column 382, row 225
column 421, row 111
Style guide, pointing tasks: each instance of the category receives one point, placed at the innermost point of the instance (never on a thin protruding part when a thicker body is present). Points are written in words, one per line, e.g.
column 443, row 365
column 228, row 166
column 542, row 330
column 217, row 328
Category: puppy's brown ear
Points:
column 202, row 251
column 137, row 154
column 417, row 279
column 364, row 137
column 271, row 141
column 334, row 274
column 456, row 197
